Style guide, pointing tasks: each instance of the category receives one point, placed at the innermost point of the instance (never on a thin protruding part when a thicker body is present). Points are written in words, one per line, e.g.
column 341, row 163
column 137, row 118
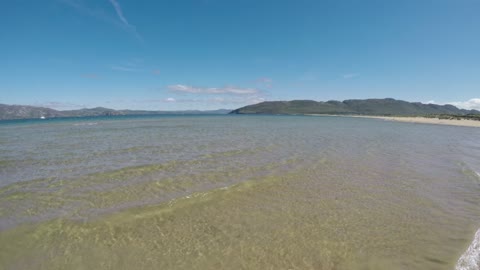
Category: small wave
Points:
column 86, row 124
column 470, row 260
column 477, row 176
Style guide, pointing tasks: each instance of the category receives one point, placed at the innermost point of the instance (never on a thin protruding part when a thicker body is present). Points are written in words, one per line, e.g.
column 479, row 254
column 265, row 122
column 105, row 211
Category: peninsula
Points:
column 388, row 109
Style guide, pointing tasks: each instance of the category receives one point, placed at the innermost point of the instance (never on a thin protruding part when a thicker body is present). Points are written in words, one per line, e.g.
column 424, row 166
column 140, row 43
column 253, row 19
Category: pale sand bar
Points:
column 425, row 120
column 420, row 120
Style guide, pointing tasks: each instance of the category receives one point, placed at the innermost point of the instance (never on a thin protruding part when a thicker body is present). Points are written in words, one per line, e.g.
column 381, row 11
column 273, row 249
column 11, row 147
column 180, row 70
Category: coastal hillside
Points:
column 8, row 112
column 381, row 107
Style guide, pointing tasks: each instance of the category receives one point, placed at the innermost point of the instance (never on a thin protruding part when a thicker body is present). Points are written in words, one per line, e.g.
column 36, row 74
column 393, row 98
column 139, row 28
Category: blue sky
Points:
column 209, row 54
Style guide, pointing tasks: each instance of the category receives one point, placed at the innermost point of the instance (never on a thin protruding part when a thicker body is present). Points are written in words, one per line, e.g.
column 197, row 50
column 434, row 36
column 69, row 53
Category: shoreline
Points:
column 415, row 119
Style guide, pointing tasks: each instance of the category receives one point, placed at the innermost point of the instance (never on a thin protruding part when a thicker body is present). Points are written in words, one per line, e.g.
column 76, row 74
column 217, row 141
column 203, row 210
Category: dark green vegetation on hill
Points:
column 30, row 112
column 380, row 107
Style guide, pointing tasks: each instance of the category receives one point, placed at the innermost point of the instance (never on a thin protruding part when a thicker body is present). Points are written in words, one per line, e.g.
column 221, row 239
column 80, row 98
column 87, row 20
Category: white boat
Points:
column 42, row 117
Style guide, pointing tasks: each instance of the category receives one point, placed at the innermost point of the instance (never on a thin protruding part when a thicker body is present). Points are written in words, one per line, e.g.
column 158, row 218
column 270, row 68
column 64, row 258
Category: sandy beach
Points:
column 419, row 120
column 425, row 120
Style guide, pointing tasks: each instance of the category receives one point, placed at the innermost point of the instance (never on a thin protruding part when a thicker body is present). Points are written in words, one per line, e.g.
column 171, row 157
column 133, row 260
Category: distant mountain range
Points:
column 31, row 112
column 380, row 107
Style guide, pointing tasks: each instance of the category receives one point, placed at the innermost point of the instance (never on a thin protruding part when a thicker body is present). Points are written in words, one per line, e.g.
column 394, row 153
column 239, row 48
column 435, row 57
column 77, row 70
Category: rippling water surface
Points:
column 238, row 192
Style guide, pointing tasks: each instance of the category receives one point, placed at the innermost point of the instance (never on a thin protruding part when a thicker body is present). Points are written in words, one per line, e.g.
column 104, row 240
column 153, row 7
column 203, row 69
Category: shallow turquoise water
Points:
column 204, row 192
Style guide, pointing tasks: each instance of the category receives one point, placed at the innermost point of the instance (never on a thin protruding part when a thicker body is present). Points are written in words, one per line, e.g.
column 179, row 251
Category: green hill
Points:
column 381, row 107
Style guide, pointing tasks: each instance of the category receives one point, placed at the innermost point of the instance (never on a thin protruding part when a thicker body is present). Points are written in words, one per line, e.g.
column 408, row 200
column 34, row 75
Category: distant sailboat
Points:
column 42, row 117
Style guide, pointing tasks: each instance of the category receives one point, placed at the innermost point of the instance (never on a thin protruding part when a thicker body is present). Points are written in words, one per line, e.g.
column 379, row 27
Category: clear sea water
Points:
column 238, row 192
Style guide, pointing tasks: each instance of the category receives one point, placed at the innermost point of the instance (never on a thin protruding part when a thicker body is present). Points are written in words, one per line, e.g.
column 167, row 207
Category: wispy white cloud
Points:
column 135, row 65
column 80, row 7
column 472, row 104
column 100, row 14
column 180, row 88
column 235, row 100
column 119, row 12
column 230, row 96
column 350, row 75
column 131, row 28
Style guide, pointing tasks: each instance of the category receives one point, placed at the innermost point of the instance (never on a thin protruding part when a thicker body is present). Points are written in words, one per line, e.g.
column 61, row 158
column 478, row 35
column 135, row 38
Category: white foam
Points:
column 470, row 260
column 86, row 124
